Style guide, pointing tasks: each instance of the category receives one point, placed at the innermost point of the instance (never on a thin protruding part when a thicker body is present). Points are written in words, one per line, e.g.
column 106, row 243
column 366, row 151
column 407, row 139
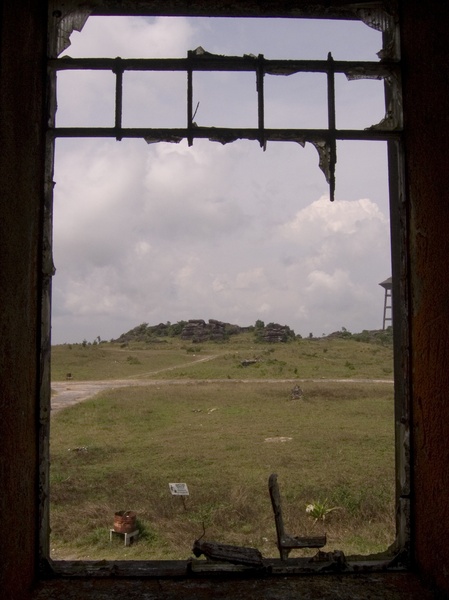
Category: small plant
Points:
column 193, row 350
column 319, row 510
column 133, row 360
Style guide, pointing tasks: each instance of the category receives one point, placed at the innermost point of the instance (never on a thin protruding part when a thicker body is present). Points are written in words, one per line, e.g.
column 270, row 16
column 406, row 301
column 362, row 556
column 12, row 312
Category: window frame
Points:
column 73, row 18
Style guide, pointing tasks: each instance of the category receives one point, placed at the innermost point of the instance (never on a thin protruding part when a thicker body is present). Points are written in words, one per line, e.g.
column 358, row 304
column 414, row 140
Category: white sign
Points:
column 179, row 489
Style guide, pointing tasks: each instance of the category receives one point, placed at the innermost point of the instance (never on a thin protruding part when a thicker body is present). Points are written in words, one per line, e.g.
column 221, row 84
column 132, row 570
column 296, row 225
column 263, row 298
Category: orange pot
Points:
column 125, row 521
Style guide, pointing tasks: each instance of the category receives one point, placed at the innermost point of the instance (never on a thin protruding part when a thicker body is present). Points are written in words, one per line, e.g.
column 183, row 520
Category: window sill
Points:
column 375, row 586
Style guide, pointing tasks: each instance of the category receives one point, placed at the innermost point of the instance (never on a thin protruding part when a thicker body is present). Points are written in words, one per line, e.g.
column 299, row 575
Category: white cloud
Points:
column 323, row 218
column 252, row 279
column 166, row 232
column 189, row 195
column 132, row 37
column 264, row 309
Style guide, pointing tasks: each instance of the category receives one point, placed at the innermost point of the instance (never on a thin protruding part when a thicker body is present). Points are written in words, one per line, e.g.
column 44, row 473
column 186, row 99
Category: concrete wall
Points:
column 425, row 50
column 426, row 110
column 22, row 75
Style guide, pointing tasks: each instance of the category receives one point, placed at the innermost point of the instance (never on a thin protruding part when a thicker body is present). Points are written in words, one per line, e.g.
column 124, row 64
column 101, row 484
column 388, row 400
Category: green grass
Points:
column 114, row 361
column 120, row 450
column 172, row 358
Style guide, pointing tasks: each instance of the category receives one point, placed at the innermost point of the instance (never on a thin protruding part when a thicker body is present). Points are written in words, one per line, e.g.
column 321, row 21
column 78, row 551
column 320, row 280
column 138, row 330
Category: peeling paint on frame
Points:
column 66, row 16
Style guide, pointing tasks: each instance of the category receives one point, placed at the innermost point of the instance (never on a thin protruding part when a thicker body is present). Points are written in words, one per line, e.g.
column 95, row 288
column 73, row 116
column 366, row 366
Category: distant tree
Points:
column 259, row 324
column 176, row 328
column 345, row 333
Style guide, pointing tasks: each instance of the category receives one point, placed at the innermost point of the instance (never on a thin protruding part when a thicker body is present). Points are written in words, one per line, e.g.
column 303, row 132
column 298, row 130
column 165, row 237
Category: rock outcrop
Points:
column 274, row 333
column 197, row 330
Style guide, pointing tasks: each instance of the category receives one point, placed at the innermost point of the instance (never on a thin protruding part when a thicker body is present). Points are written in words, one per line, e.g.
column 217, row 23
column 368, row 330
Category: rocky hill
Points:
column 199, row 330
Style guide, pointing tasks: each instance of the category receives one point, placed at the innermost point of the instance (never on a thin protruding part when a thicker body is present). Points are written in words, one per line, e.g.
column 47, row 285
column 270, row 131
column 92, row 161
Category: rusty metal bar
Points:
column 204, row 61
column 212, row 62
column 227, row 134
column 286, row 543
column 331, row 124
column 260, row 72
column 190, row 98
column 325, row 141
column 118, row 70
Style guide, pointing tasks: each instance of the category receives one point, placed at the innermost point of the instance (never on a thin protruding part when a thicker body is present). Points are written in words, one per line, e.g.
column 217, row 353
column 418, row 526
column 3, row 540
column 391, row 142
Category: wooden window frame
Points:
column 63, row 18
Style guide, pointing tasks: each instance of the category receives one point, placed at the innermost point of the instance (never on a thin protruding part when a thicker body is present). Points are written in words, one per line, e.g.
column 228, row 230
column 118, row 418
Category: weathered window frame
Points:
column 66, row 16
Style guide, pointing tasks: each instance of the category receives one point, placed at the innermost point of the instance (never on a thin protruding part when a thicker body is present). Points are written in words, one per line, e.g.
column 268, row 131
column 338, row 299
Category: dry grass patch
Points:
column 175, row 358
column 120, row 450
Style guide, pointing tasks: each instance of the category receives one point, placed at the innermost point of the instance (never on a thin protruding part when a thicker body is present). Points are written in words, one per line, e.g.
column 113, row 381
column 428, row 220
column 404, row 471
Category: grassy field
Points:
column 120, row 450
column 173, row 358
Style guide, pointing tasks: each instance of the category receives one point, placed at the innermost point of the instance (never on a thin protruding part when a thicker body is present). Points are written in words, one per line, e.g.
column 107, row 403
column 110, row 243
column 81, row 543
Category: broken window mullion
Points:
column 331, row 125
column 189, row 99
column 213, row 62
column 118, row 70
column 260, row 73
column 278, row 135
column 200, row 60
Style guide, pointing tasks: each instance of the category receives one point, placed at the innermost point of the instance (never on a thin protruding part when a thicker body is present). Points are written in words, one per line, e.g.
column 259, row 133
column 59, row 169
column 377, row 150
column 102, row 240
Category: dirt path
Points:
column 67, row 393
column 181, row 366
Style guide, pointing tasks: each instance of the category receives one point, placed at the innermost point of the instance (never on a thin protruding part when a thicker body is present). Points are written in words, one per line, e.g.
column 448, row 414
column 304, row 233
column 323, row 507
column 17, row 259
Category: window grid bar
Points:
column 118, row 70
column 212, row 62
column 331, row 125
column 190, row 136
column 226, row 135
column 260, row 73
column 199, row 60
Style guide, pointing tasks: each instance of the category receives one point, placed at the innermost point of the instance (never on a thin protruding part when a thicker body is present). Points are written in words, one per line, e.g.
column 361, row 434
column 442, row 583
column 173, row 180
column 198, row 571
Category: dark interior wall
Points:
column 21, row 165
column 426, row 112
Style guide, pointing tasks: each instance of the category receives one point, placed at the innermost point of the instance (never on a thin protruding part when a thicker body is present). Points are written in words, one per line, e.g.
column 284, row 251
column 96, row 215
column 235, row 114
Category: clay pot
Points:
column 125, row 521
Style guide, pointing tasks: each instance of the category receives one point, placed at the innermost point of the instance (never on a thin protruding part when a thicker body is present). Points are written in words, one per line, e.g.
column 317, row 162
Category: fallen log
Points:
column 237, row 555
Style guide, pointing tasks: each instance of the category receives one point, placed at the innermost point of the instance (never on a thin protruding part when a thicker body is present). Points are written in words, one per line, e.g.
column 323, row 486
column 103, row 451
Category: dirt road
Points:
column 67, row 393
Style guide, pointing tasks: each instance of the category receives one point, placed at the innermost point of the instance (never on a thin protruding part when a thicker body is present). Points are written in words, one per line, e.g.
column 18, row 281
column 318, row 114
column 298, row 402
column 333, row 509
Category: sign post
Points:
column 179, row 489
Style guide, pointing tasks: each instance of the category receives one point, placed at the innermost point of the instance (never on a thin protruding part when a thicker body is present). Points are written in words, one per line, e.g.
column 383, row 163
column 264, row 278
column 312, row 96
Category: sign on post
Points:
column 178, row 489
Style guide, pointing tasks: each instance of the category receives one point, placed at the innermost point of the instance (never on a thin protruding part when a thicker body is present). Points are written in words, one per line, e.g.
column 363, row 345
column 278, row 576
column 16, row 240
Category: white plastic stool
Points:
column 128, row 536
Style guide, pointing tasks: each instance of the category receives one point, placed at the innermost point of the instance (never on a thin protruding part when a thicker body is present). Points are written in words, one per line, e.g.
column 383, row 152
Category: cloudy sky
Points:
column 164, row 232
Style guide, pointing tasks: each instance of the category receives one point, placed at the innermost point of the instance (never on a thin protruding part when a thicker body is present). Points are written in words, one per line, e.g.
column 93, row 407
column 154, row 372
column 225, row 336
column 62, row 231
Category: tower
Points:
column 388, row 301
